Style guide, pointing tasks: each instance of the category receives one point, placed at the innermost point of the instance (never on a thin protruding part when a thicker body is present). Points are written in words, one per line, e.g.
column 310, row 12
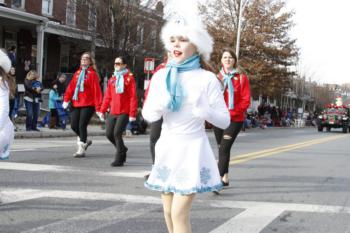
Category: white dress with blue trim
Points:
column 6, row 126
column 185, row 162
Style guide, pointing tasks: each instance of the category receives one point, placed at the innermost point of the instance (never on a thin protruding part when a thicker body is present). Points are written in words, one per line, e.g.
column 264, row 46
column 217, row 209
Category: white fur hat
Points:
column 5, row 62
column 190, row 27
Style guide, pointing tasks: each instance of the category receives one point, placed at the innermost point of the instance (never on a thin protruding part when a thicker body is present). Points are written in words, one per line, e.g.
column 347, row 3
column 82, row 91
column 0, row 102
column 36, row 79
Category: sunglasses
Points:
column 118, row 63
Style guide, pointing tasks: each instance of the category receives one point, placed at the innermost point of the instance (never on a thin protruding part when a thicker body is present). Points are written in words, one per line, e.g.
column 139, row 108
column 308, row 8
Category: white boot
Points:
column 81, row 150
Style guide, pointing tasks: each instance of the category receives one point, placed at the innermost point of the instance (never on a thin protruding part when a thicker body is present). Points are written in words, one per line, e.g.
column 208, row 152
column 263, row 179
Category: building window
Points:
column 154, row 38
column 46, row 8
column 18, row 3
column 92, row 23
column 71, row 12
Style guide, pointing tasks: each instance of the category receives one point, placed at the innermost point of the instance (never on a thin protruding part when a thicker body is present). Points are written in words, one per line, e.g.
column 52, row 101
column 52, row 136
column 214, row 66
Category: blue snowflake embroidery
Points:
column 163, row 173
column 205, row 175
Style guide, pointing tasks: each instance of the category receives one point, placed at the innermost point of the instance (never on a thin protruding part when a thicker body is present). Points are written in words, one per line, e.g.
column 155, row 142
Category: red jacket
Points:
column 120, row 103
column 91, row 96
column 241, row 96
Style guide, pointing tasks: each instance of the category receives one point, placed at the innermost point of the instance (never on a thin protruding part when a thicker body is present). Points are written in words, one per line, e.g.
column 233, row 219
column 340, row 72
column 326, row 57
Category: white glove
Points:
column 100, row 116
column 201, row 107
column 65, row 105
column 132, row 119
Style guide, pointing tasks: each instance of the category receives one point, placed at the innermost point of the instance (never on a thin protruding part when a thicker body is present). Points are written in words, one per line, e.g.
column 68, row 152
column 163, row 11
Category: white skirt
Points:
column 184, row 164
column 6, row 139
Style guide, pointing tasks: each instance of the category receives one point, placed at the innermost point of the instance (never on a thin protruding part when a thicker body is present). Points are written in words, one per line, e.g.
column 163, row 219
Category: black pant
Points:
column 54, row 120
column 225, row 139
column 115, row 126
column 12, row 105
column 80, row 118
column 155, row 129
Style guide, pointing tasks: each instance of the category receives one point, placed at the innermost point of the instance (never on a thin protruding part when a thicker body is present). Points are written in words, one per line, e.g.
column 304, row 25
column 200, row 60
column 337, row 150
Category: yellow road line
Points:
column 263, row 153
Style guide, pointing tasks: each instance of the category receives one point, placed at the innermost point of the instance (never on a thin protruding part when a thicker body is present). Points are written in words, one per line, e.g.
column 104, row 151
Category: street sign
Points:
column 149, row 64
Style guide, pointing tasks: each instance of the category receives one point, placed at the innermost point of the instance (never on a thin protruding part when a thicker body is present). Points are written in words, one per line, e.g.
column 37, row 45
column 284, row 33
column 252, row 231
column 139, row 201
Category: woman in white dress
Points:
column 7, row 86
column 185, row 95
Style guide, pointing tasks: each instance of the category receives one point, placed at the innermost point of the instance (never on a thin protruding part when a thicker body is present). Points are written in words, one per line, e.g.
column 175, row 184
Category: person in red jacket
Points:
column 84, row 92
column 121, row 100
column 237, row 98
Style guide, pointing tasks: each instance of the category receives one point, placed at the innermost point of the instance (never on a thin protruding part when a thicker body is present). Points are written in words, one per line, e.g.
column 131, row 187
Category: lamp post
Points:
column 241, row 8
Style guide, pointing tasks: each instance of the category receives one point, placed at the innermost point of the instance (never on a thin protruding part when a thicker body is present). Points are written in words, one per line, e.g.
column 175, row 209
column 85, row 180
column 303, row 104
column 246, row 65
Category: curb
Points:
column 53, row 134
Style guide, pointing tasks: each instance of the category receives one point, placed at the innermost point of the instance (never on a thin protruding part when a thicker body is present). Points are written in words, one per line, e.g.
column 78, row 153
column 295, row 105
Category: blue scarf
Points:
column 80, row 83
column 229, row 84
column 119, row 82
column 173, row 83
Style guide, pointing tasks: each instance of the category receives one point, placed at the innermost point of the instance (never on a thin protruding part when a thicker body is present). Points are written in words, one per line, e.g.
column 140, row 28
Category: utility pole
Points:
column 239, row 27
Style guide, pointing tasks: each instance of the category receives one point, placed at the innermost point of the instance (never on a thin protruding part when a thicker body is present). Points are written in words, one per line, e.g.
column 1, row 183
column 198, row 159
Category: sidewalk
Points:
column 93, row 130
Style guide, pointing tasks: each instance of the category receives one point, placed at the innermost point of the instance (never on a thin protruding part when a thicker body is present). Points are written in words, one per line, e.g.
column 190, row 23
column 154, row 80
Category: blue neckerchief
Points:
column 80, row 83
column 119, row 82
column 173, row 84
column 227, row 79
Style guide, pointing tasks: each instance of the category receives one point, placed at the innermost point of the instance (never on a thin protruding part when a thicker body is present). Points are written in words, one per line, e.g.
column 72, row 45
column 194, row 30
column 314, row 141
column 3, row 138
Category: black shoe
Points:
column 36, row 129
column 117, row 164
column 88, row 143
column 225, row 183
column 216, row 192
column 147, row 176
column 123, row 155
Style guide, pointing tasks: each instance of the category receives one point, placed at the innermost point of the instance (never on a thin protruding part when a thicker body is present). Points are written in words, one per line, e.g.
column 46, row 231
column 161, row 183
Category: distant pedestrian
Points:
column 61, row 84
column 121, row 99
column 7, row 88
column 32, row 99
column 237, row 97
column 85, row 94
column 12, row 53
column 13, row 96
column 53, row 98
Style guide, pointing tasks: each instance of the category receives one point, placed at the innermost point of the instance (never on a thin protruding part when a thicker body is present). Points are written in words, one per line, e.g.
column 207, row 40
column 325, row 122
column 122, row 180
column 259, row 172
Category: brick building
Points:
column 52, row 34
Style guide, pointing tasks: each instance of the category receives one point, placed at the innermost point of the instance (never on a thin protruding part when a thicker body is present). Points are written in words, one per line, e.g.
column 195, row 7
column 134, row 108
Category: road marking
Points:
column 10, row 195
column 263, row 153
column 76, row 170
column 95, row 220
column 255, row 217
column 251, row 220
column 30, row 146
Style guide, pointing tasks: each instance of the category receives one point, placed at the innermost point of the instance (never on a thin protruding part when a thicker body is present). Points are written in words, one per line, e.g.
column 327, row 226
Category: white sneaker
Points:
column 81, row 150
column 128, row 133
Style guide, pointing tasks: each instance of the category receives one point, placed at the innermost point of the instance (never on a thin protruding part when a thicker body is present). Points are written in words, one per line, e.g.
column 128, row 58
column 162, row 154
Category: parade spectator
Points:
column 53, row 98
column 32, row 98
column 13, row 96
column 13, row 55
column 120, row 97
column 237, row 97
column 7, row 88
column 85, row 94
column 61, row 84
column 185, row 95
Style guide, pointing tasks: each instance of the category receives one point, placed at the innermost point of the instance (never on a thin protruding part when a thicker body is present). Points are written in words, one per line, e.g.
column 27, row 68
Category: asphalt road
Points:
column 281, row 180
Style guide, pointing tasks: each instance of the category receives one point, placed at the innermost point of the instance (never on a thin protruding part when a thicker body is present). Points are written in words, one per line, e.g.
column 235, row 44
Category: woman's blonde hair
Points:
column 92, row 60
column 32, row 74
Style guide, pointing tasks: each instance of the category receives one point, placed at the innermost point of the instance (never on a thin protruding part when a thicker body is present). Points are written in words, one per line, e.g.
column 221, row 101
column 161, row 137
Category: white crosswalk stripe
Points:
column 255, row 217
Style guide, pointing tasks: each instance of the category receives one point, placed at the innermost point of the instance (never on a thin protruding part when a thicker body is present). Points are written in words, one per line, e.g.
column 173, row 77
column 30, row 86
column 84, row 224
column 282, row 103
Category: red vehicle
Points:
column 334, row 117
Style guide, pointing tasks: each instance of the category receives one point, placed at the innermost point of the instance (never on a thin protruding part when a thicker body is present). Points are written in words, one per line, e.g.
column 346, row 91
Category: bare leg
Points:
column 225, row 178
column 180, row 213
column 167, row 204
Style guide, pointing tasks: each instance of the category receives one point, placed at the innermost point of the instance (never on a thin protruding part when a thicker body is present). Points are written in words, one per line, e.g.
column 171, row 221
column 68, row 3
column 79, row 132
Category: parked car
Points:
column 334, row 117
